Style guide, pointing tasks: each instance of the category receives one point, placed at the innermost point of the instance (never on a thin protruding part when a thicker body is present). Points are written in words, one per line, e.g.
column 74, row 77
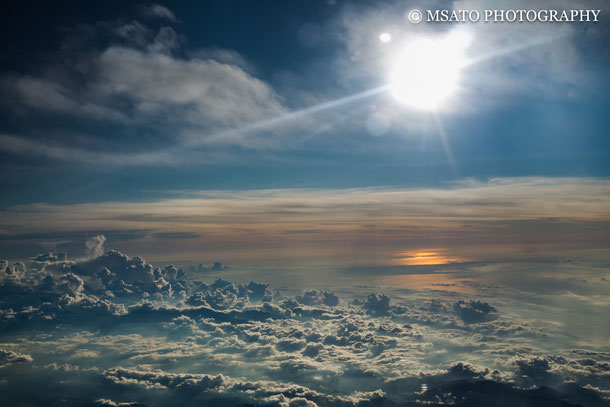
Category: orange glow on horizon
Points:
column 424, row 257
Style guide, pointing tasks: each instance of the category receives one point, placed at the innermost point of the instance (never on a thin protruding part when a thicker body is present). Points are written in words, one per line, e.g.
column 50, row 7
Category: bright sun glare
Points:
column 427, row 70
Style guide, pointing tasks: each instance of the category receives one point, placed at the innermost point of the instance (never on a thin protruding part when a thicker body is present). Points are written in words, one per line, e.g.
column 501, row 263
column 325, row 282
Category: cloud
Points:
column 313, row 297
column 206, row 387
column 547, row 214
column 10, row 358
column 158, row 11
column 208, row 92
column 130, row 332
column 50, row 257
column 536, row 370
column 214, row 267
column 110, row 403
column 95, row 246
column 377, row 303
column 205, row 95
column 474, row 311
column 115, row 273
column 491, row 393
column 175, row 235
column 41, row 149
column 223, row 294
column 132, row 76
column 554, row 370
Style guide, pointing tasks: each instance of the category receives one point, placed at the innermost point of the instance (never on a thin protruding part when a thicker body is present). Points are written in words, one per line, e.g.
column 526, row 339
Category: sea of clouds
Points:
column 110, row 330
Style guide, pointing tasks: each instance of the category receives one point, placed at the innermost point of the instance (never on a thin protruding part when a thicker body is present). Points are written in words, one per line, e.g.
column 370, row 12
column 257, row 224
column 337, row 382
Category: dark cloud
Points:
column 110, row 403
column 50, row 257
column 377, row 303
column 536, row 370
column 490, row 393
column 215, row 267
column 10, row 358
column 474, row 311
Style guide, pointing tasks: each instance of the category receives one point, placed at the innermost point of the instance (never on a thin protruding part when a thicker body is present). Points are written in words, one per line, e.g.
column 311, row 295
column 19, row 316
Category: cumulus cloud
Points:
column 216, row 266
column 110, row 403
column 136, row 334
column 474, row 311
column 555, row 370
column 10, row 358
column 223, row 294
column 232, row 391
column 95, row 246
column 377, row 303
column 313, row 297
column 52, row 257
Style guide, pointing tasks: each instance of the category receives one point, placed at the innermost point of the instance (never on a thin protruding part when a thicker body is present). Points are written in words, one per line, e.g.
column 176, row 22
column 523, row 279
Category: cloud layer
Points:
column 115, row 330
column 548, row 214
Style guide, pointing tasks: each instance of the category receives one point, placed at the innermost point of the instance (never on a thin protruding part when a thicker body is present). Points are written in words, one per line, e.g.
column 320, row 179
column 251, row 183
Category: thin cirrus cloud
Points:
column 501, row 215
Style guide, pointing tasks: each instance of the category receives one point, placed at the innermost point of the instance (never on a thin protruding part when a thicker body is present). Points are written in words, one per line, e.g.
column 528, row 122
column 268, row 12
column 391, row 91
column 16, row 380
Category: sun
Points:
column 426, row 71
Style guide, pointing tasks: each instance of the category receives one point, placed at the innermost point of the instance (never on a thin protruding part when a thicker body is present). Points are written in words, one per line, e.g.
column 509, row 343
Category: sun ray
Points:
column 445, row 140
column 296, row 114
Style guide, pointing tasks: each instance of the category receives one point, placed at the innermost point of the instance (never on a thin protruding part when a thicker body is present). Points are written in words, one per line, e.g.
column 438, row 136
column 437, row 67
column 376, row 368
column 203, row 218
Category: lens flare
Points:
column 385, row 37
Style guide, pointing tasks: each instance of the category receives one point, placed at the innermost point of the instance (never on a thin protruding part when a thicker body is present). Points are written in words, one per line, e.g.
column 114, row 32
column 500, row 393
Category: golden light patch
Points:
column 424, row 257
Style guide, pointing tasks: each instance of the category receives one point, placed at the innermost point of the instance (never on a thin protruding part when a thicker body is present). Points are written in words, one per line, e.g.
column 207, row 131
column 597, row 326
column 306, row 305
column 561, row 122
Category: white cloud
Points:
column 159, row 11
column 208, row 92
column 10, row 358
column 95, row 246
column 204, row 98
